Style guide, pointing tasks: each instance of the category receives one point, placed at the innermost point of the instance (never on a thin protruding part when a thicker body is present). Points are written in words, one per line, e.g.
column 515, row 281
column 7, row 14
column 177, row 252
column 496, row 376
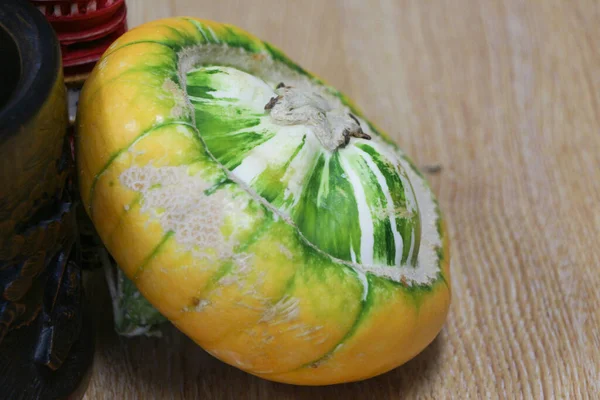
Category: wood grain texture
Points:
column 505, row 96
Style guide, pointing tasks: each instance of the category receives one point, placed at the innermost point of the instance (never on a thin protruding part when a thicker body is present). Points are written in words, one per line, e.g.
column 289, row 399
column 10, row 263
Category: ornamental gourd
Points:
column 256, row 208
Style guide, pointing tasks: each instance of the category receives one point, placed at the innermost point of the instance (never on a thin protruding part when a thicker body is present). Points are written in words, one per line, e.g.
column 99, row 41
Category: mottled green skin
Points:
column 327, row 206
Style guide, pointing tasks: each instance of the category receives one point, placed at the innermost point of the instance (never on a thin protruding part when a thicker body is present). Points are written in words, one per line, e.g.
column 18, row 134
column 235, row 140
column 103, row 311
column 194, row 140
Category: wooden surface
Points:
column 504, row 95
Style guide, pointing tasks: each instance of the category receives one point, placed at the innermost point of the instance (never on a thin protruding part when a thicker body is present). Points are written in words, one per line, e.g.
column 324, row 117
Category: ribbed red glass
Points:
column 85, row 29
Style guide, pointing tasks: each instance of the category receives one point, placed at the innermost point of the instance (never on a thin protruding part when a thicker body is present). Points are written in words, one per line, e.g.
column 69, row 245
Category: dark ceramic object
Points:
column 46, row 343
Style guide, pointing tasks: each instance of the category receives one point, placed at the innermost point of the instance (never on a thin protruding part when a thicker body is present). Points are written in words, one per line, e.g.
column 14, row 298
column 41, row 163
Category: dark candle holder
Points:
column 46, row 339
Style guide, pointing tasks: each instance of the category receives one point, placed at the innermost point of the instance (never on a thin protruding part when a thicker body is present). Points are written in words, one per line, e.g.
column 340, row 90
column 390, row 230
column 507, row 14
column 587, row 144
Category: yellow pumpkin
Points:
column 256, row 208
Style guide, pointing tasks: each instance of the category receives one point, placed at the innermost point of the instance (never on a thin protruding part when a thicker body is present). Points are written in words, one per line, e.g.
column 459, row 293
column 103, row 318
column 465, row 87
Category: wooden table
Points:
column 504, row 95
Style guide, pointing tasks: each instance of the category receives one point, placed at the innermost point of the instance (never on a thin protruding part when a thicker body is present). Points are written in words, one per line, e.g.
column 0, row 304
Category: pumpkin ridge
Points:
column 272, row 302
column 250, row 274
column 365, row 305
column 114, row 156
column 124, row 46
column 228, row 265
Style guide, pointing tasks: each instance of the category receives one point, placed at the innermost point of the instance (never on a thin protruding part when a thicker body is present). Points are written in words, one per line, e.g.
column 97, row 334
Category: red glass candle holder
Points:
column 85, row 29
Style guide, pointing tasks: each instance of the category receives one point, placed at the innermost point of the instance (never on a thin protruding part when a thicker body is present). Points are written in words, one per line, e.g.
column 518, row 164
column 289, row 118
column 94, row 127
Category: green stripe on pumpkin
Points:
column 156, row 250
column 332, row 222
column 384, row 244
column 408, row 221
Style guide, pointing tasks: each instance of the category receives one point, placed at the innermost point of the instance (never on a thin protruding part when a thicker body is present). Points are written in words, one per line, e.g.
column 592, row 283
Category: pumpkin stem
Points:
column 333, row 127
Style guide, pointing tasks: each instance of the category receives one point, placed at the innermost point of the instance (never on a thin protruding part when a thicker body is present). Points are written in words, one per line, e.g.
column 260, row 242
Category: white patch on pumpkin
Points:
column 202, row 304
column 309, row 333
column 286, row 252
column 177, row 200
column 238, row 276
column 363, row 279
column 295, row 175
column 367, row 238
column 213, row 34
column 274, row 153
column 248, row 91
column 180, row 109
column 233, row 357
column 285, row 310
